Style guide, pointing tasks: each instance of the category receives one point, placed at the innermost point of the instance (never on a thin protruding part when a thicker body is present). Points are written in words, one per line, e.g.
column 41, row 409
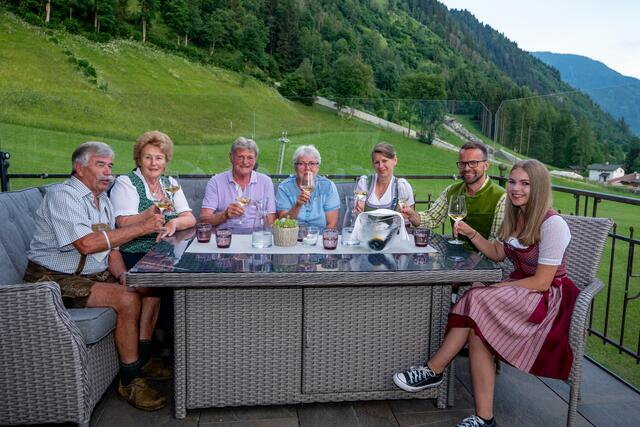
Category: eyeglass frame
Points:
column 307, row 164
column 470, row 163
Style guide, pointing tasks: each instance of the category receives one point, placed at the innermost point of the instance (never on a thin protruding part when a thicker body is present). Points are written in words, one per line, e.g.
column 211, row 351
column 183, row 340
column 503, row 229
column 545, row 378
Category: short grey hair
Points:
column 307, row 150
column 244, row 143
column 84, row 151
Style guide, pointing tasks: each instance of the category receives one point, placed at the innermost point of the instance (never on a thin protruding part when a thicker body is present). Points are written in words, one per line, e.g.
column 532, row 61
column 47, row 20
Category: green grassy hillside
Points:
column 48, row 106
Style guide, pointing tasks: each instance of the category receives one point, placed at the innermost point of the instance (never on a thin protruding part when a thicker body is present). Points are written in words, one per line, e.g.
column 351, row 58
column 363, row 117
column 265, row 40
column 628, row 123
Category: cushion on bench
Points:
column 94, row 323
column 17, row 224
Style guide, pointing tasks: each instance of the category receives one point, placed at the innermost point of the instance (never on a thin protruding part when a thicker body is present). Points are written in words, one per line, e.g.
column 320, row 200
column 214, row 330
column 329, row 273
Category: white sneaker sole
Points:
column 397, row 380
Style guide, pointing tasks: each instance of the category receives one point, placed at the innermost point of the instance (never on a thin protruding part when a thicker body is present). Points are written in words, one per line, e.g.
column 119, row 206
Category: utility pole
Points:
column 283, row 141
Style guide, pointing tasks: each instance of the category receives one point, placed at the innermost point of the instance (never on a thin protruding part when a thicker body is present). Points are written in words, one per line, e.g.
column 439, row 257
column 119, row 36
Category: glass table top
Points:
column 169, row 256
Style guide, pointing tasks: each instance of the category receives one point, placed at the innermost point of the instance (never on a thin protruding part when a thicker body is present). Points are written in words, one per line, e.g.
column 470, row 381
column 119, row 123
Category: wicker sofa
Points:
column 55, row 363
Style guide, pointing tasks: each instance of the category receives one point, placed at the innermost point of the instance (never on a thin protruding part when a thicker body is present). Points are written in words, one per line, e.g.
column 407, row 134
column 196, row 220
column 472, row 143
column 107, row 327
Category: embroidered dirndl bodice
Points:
column 143, row 243
column 369, row 206
column 525, row 261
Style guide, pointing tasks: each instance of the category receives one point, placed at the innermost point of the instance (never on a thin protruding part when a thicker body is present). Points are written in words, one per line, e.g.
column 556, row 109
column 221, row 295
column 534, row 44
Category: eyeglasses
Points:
column 307, row 164
column 471, row 163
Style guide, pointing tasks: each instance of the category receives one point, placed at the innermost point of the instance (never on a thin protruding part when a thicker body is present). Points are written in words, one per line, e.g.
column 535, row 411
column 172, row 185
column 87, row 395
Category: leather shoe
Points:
column 141, row 395
column 155, row 369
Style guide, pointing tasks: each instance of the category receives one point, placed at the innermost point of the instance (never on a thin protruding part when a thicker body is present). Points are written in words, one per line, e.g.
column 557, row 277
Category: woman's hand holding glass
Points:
column 406, row 211
column 404, row 199
column 360, row 194
column 163, row 204
column 461, row 227
column 307, row 184
column 303, row 197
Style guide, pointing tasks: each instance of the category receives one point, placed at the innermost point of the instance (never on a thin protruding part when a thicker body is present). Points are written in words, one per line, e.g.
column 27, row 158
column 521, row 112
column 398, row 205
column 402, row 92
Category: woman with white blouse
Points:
column 524, row 320
column 133, row 195
column 383, row 190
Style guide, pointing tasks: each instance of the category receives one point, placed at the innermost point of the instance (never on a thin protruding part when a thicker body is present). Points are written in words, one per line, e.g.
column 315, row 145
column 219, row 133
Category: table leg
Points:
column 441, row 301
column 180, row 348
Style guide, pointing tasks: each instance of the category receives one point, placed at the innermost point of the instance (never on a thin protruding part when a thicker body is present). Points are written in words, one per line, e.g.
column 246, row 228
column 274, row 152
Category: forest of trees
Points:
column 357, row 50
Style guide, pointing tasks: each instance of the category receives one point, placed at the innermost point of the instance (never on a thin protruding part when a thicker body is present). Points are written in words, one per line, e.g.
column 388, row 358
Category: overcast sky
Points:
column 607, row 31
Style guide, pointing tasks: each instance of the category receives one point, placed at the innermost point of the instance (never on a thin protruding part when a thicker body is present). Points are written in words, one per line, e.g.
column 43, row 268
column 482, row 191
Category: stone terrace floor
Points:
column 521, row 400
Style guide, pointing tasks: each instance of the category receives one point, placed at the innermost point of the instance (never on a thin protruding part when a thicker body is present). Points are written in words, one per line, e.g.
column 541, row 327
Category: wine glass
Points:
column 170, row 184
column 361, row 190
column 402, row 202
column 308, row 182
column 360, row 194
column 457, row 211
column 404, row 194
column 163, row 203
column 243, row 200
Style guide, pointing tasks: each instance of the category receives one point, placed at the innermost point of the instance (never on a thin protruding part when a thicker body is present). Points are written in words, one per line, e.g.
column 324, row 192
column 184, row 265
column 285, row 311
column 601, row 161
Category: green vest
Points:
column 144, row 243
column 480, row 207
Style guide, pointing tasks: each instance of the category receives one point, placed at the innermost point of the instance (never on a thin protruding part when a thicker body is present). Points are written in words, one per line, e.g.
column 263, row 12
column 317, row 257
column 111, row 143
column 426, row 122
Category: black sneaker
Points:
column 476, row 421
column 417, row 379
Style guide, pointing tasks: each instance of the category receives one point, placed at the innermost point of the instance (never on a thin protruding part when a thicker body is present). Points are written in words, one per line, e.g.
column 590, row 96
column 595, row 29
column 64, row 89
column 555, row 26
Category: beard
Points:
column 473, row 178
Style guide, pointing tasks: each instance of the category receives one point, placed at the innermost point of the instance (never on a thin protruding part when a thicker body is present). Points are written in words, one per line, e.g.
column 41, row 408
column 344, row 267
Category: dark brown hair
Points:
column 385, row 149
column 476, row 145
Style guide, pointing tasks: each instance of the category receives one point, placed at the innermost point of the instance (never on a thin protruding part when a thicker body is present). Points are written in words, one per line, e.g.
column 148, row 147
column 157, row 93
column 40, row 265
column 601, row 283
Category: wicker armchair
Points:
column 47, row 372
column 588, row 238
column 55, row 364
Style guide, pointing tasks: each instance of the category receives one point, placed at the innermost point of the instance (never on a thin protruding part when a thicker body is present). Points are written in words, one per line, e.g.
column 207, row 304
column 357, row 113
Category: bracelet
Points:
column 471, row 238
column 106, row 237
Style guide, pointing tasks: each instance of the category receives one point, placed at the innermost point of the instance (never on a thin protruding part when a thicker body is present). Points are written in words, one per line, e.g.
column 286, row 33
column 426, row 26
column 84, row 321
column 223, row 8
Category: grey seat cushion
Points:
column 94, row 323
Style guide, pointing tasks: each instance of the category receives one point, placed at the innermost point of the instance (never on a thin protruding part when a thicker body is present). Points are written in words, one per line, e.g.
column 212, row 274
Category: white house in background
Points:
column 604, row 172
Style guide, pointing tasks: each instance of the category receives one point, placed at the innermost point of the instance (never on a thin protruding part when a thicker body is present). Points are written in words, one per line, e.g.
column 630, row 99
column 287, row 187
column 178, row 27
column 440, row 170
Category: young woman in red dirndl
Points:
column 524, row 320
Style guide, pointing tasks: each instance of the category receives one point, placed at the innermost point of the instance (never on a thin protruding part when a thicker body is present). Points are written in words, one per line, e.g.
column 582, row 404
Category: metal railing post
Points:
column 4, row 170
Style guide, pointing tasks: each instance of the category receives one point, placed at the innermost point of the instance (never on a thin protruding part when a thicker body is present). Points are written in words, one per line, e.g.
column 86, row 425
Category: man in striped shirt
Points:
column 76, row 244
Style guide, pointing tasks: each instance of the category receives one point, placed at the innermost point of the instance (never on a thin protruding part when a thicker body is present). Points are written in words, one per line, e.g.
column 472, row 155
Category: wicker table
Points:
column 284, row 329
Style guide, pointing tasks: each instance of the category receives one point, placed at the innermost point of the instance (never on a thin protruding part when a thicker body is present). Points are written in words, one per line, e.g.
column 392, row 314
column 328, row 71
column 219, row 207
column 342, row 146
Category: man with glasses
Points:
column 485, row 198
column 316, row 204
column 230, row 196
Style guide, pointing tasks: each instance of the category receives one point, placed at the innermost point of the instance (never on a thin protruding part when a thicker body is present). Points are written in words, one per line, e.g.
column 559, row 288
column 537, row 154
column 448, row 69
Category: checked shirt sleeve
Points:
column 436, row 213
column 498, row 216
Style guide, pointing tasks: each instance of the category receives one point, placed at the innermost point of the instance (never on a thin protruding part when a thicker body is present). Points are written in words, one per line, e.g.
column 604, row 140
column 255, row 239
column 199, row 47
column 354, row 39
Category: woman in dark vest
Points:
column 133, row 195
column 383, row 190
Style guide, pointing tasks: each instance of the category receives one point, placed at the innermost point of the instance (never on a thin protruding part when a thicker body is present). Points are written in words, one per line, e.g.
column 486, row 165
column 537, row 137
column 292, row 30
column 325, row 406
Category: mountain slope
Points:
column 614, row 92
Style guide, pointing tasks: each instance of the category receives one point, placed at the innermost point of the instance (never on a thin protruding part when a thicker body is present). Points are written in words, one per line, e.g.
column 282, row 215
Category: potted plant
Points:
column 285, row 232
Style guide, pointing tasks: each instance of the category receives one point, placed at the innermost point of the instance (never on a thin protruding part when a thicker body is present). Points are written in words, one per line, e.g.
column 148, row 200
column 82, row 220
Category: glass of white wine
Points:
column 457, row 211
column 308, row 182
column 163, row 204
column 360, row 194
column 170, row 184
column 402, row 202
column 243, row 200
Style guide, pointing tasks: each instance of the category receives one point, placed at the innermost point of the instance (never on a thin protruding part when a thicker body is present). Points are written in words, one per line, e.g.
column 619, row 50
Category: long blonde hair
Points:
column 537, row 206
